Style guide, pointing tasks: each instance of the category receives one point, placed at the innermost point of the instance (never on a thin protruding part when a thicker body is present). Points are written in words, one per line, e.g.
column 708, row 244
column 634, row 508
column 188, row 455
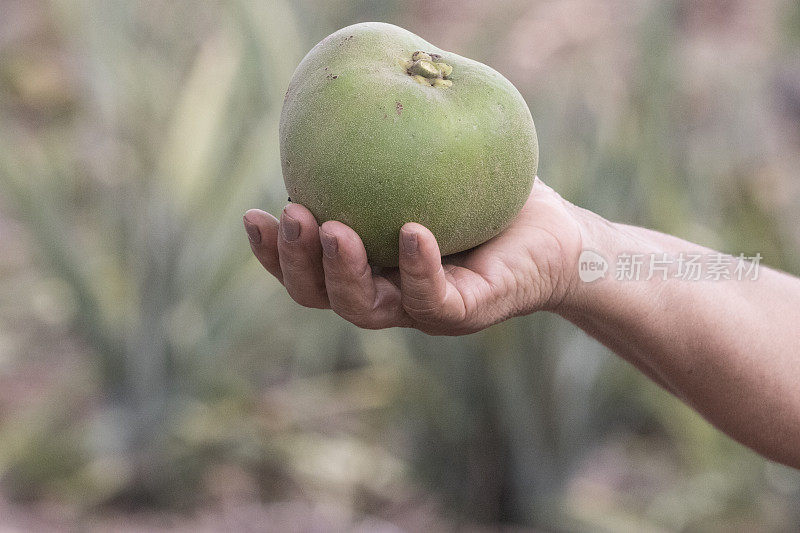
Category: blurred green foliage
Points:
column 133, row 135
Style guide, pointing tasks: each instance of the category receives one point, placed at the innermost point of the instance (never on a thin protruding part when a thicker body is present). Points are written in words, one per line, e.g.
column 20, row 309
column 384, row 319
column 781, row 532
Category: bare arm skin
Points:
column 729, row 348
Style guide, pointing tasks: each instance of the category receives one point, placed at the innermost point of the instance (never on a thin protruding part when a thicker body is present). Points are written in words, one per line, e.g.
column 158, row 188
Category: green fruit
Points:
column 380, row 128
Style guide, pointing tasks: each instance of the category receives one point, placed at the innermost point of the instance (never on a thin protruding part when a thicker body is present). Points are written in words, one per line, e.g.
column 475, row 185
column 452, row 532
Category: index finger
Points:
column 427, row 295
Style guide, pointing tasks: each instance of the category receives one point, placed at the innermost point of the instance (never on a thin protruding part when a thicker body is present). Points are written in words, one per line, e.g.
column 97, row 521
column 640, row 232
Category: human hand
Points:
column 530, row 266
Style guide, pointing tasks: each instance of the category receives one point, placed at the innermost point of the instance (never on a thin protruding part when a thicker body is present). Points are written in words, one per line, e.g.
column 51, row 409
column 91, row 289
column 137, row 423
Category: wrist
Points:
column 590, row 276
column 604, row 280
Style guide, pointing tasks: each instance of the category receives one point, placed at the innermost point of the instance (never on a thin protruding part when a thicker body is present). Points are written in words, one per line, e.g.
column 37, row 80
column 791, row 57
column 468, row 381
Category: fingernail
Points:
column 410, row 242
column 253, row 233
column 330, row 244
column 290, row 228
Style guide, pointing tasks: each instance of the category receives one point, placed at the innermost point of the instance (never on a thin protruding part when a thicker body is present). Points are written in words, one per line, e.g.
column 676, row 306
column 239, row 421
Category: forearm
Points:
column 729, row 348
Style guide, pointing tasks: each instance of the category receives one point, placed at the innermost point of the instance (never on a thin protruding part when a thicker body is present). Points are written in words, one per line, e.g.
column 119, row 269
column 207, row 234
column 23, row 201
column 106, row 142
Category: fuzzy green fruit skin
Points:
column 364, row 143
